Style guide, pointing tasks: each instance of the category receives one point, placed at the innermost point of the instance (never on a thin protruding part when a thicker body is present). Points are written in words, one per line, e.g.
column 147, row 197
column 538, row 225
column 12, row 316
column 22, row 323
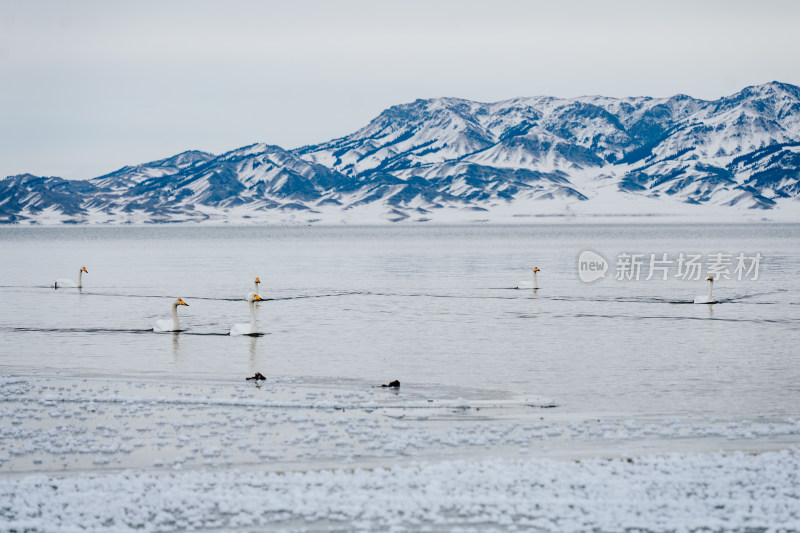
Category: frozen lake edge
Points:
column 675, row 492
column 376, row 460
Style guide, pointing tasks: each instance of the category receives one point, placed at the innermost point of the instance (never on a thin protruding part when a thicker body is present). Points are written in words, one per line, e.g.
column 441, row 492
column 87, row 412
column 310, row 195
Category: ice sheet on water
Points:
column 68, row 424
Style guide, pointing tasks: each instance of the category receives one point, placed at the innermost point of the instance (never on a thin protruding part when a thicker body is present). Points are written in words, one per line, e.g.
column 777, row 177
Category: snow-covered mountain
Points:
column 448, row 159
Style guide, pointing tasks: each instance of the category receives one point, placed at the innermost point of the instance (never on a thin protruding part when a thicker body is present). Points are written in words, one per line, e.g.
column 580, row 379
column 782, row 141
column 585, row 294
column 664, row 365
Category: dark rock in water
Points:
column 394, row 384
column 257, row 377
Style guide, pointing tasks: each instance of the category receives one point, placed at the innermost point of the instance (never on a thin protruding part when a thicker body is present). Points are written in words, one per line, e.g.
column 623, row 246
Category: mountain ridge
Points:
column 446, row 159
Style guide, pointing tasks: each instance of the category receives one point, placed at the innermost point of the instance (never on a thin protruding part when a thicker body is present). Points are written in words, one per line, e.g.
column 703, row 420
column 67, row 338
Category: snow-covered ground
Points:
column 714, row 492
column 104, row 453
column 607, row 208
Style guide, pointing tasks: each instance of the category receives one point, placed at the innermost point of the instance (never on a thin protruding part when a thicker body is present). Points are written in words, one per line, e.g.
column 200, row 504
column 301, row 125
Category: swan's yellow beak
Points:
column 258, row 280
column 710, row 278
column 84, row 269
column 256, row 297
column 181, row 302
column 536, row 269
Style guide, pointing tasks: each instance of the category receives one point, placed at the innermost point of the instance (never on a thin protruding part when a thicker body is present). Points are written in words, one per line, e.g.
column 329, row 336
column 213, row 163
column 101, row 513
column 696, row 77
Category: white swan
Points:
column 706, row 299
column 170, row 325
column 251, row 328
column 528, row 284
column 257, row 282
column 68, row 283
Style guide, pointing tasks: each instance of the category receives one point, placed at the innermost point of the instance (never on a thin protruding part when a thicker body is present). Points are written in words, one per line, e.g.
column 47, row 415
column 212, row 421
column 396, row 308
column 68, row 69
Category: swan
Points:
column 68, row 283
column 529, row 284
column 251, row 328
column 170, row 325
column 706, row 299
column 257, row 282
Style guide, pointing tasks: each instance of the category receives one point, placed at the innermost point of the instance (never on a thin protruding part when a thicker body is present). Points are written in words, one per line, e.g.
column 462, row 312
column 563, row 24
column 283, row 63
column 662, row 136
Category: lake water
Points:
column 429, row 306
column 604, row 406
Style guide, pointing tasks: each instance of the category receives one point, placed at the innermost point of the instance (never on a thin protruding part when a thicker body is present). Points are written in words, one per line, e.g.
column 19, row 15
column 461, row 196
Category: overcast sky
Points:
column 88, row 87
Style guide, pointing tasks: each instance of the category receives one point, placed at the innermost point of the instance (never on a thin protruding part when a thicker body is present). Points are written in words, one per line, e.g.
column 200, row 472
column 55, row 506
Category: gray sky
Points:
column 88, row 87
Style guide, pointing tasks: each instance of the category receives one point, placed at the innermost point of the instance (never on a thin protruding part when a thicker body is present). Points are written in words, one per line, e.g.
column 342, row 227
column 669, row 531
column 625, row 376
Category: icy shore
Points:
column 98, row 454
column 708, row 492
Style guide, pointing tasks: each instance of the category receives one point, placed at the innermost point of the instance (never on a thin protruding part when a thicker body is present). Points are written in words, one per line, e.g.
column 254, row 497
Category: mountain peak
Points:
column 253, row 149
column 768, row 90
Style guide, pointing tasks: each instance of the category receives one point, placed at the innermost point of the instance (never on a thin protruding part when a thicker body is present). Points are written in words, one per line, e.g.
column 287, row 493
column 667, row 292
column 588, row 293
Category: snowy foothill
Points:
column 294, row 454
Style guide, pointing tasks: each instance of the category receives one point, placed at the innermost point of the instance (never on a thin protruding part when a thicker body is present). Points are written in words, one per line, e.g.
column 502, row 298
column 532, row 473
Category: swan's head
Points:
column 258, row 281
column 710, row 278
column 536, row 269
column 254, row 298
column 83, row 269
column 180, row 301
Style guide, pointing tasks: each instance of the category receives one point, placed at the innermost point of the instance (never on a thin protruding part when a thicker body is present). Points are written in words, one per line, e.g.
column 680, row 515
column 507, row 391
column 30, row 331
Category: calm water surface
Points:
column 425, row 305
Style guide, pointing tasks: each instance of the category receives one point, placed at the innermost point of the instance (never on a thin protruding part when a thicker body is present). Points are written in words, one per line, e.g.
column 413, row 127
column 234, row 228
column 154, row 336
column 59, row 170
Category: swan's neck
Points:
column 535, row 284
column 710, row 286
column 253, row 327
column 80, row 278
column 255, row 285
column 175, row 324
